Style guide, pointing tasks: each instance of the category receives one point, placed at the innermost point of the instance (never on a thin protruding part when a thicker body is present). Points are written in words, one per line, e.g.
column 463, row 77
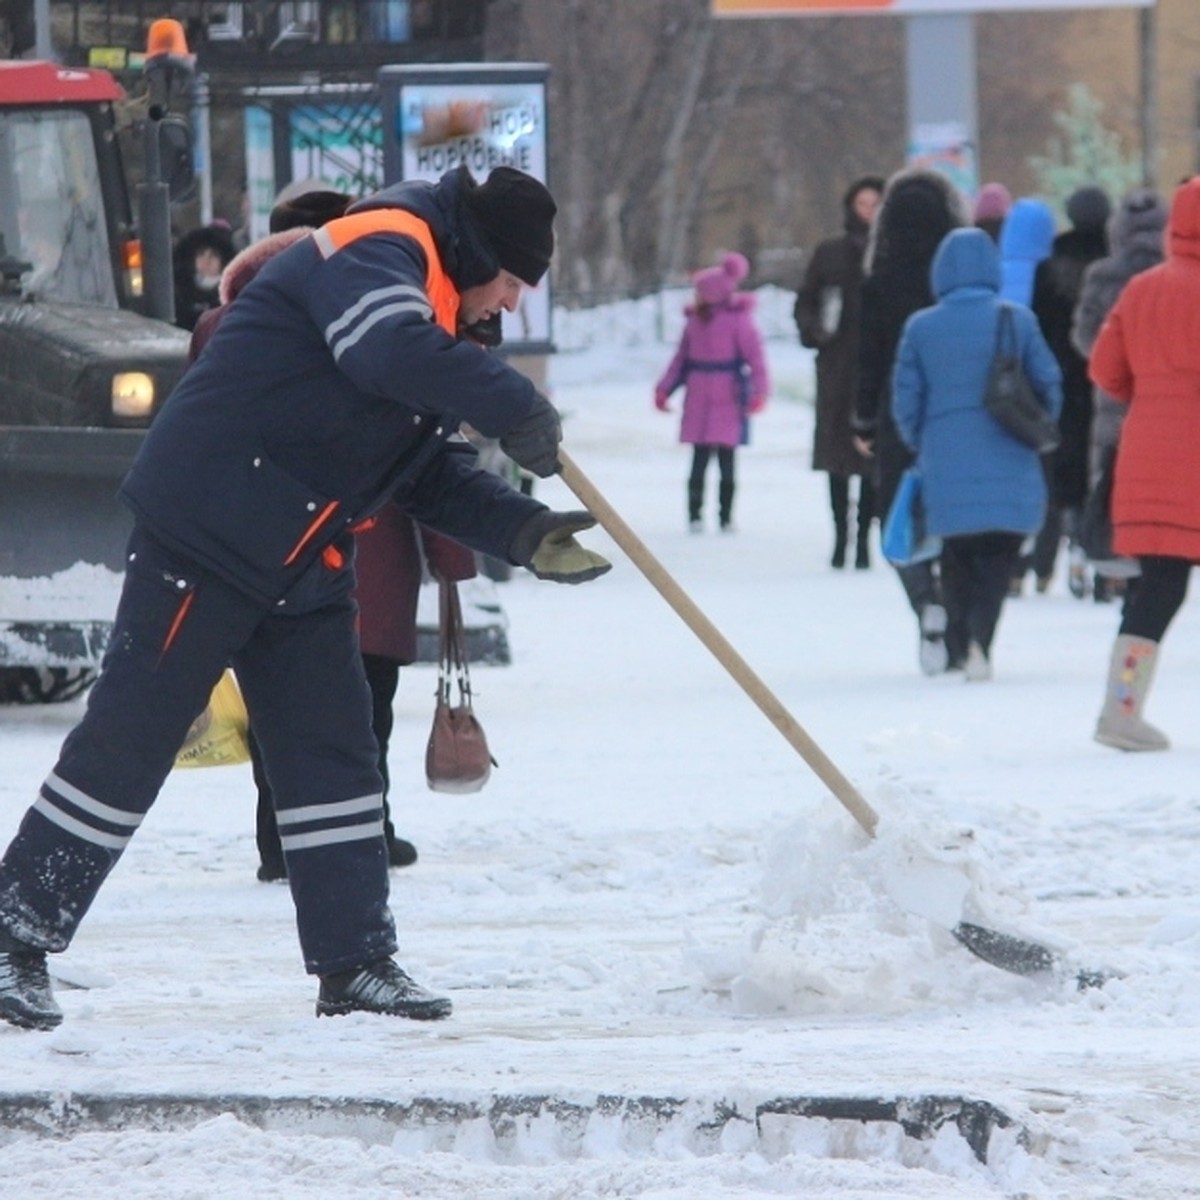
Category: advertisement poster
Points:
column 900, row 8
column 944, row 146
column 481, row 116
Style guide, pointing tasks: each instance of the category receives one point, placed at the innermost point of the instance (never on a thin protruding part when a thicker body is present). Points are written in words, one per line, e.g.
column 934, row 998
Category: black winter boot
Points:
column 725, row 492
column 839, row 504
column 401, row 853
column 26, row 999
column 866, row 515
column 862, row 551
column 379, row 987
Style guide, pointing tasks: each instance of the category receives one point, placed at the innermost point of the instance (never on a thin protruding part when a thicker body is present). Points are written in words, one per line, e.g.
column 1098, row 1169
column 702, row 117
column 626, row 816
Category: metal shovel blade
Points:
column 1005, row 950
column 1023, row 957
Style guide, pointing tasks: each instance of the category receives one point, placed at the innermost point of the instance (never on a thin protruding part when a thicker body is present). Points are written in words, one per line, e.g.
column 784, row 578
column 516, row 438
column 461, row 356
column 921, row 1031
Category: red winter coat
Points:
column 1147, row 355
column 387, row 568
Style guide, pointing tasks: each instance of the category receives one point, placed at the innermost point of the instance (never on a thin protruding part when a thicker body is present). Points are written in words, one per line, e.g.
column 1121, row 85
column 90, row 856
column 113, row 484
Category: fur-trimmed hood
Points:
column 205, row 237
column 250, row 261
column 919, row 207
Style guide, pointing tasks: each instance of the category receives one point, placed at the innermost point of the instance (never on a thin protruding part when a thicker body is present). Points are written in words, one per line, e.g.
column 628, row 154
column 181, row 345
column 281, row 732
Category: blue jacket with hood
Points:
column 328, row 388
column 1026, row 238
column 976, row 477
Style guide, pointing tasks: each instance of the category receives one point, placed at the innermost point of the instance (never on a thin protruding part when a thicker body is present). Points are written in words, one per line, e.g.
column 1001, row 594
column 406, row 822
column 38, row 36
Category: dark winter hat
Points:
column 514, row 213
column 864, row 183
column 306, row 203
column 715, row 284
column 1088, row 208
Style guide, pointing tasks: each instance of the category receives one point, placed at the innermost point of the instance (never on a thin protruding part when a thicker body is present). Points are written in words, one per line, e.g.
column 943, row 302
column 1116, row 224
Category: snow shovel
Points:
column 1003, row 950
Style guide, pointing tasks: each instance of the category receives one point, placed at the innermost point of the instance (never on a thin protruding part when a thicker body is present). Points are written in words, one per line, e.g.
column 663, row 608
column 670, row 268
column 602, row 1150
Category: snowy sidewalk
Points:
column 654, row 897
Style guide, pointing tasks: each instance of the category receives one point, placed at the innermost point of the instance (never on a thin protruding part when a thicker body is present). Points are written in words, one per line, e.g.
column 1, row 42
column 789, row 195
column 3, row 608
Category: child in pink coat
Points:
column 721, row 365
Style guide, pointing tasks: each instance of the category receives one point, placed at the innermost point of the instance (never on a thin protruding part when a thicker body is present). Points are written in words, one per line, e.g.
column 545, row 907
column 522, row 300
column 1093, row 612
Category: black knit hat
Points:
column 514, row 214
column 1089, row 208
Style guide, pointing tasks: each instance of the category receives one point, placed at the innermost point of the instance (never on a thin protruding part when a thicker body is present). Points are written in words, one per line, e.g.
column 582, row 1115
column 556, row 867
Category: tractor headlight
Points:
column 132, row 395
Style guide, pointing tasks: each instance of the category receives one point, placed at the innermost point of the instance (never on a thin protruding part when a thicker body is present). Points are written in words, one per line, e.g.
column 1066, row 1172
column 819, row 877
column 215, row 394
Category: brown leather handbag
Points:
column 457, row 758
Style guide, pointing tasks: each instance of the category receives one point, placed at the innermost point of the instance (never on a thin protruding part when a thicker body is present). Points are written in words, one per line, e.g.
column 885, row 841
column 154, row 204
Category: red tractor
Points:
column 88, row 352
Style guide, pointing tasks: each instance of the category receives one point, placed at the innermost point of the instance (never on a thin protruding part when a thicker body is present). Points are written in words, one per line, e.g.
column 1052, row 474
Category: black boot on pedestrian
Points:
column 838, row 561
column 862, row 544
column 26, row 999
column 379, row 987
column 401, row 853
column 725, row 492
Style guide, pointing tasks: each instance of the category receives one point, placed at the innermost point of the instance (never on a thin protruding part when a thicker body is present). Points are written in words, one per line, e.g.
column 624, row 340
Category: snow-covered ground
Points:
column 655, row 898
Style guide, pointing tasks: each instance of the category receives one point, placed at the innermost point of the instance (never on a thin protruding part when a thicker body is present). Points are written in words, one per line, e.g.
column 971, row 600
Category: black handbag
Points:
column 1010, row 398
column 1095, row 526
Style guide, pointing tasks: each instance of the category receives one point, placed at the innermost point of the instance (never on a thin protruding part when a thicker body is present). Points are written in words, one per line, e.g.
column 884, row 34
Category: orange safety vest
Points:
column 443, row 295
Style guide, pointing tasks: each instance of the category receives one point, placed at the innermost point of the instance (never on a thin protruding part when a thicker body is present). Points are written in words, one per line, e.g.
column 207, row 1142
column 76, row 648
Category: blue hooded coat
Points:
column 976, row 477
column 1026, row 238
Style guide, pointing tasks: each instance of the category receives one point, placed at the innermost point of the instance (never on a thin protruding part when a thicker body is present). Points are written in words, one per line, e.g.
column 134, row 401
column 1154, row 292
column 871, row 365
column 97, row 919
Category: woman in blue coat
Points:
column 984, row 490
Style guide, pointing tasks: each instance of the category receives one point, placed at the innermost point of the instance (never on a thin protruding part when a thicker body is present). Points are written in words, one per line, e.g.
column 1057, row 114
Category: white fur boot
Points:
column 1129, row 677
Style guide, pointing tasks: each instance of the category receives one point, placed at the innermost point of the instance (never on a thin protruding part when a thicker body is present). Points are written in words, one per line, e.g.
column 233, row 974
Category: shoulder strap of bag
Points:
column 1005, row 323
column 452, row 656
column 444, row 665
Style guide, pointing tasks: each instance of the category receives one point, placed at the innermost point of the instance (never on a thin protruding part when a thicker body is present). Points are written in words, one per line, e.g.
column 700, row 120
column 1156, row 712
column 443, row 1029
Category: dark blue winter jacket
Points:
column 327, row 388
column 976, row 477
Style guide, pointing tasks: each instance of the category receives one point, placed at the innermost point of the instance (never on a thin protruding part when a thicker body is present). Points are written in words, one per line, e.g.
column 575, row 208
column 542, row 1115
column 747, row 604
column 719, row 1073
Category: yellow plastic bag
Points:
column 218, row 736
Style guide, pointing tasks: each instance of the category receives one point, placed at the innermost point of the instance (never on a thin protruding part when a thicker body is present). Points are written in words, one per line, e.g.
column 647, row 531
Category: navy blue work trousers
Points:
column 177, row 628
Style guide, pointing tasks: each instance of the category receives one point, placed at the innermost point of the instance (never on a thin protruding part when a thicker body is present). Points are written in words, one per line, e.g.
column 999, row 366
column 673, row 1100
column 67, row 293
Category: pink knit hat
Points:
column 992, row 203
column 715, row 285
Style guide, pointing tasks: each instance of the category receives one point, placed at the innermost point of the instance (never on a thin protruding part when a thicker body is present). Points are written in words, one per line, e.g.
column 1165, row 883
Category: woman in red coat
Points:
column 1148, row 357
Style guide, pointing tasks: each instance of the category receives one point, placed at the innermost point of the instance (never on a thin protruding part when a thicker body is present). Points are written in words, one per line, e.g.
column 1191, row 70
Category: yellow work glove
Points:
column 546, row 545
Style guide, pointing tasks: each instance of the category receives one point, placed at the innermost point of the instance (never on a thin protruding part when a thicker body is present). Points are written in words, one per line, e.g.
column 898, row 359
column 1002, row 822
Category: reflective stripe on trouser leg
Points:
column 304, row 684
column 113, row 763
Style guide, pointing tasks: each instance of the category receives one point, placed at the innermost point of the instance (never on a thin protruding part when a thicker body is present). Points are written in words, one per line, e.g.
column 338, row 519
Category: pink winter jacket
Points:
column 716, row 395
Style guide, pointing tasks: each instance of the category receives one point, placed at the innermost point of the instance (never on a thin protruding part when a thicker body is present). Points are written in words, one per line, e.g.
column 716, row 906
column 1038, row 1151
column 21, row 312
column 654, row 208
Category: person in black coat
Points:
column 200, row 257
column 1056, row 288
column 919, row 208
column 827, row 316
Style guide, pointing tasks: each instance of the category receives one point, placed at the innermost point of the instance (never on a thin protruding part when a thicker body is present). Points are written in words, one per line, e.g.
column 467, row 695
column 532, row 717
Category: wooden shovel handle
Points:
column 657, row 575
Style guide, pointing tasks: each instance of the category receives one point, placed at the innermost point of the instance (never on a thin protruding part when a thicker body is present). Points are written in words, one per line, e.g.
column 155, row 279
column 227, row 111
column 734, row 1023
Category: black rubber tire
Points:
column 43, row 685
